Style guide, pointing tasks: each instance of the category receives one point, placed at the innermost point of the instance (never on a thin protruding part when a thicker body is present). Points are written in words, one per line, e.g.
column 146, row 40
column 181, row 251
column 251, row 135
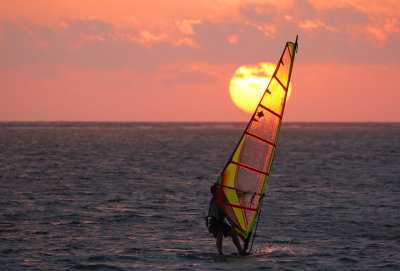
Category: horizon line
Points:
column 138, row 121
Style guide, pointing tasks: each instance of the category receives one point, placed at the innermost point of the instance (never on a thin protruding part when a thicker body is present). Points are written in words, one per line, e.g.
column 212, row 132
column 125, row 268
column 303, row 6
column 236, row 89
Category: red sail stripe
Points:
column 236, row 206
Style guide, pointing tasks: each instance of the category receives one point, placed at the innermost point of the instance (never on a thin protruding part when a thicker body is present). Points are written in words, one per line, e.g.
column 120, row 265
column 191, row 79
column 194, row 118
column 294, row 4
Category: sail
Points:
column 242, row 182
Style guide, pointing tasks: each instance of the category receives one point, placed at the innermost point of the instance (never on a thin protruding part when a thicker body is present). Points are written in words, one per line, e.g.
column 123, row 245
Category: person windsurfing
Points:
column 217, row 225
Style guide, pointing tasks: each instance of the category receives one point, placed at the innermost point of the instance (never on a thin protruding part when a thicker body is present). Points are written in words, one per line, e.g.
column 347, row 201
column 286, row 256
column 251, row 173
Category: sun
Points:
column 248, row 84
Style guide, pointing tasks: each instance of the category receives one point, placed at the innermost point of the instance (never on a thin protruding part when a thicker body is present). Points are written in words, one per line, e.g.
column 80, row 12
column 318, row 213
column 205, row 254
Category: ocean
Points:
column 133, row 196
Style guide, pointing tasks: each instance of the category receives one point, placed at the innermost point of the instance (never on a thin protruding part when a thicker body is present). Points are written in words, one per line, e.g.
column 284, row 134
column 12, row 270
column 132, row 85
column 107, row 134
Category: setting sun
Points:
column 248, row 84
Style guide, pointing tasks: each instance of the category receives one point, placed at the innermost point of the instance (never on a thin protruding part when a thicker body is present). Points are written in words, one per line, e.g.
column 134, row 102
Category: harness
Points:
column 210, row 220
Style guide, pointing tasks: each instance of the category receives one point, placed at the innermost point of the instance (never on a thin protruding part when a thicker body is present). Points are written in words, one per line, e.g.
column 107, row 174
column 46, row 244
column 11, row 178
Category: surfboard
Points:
column 262, row 254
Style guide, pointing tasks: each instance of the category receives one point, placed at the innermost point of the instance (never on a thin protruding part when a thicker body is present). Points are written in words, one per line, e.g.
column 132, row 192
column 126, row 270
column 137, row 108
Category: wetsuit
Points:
column 217, row 222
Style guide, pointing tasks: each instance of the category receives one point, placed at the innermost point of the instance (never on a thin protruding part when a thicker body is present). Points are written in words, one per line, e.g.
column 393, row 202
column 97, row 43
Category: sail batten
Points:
column 244, row 178
column 249, row 167
column 260, row 138
column 270, row 111
column 243, row 191
column 236, row 206
column 279, row 81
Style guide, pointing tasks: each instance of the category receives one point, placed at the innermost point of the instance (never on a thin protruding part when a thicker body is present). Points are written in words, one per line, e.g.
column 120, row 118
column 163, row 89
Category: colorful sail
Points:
column 243, row 180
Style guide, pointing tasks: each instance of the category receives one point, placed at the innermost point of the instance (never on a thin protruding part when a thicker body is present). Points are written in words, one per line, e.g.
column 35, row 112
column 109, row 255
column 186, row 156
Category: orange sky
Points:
column 127, row 60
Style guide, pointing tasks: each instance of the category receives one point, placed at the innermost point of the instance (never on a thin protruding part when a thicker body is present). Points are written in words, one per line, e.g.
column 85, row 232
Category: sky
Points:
column 153, row 60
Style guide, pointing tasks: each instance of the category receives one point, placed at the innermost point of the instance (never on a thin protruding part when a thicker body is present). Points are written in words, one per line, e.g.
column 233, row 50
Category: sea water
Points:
column 127, row 196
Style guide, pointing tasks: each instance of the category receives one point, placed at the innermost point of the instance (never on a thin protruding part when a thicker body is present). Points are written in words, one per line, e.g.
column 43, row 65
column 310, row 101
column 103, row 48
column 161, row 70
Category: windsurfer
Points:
column 217, row 226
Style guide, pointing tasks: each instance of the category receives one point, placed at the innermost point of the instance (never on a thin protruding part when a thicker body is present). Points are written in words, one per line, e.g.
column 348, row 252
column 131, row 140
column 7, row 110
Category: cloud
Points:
column 233, row 39
column 191, row 77
column 342, row 34
column 90, row 43
column 379, row 30
column 311, row 25
column 126, row 61
column 16, row 45
column 268, row 30
column 90, row 27
column 148, row 37
column 186, row 26
column 249, row 43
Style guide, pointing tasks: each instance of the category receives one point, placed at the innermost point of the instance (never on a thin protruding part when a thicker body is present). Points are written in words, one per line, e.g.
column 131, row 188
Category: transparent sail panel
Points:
column 248, row 180
column 250, row 183
column 265, row 124
column 256, row 153
column 252, row 200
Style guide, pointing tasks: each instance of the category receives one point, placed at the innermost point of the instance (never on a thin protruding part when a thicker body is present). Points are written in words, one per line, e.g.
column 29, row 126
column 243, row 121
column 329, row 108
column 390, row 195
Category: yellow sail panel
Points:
column 238, row 151
column 285, row 65
column 276, row 98
column 231, row 195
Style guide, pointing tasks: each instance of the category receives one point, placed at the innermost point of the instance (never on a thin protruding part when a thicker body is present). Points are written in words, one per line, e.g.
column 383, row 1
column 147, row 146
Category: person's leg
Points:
column 236, row 241
column 220, row 235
